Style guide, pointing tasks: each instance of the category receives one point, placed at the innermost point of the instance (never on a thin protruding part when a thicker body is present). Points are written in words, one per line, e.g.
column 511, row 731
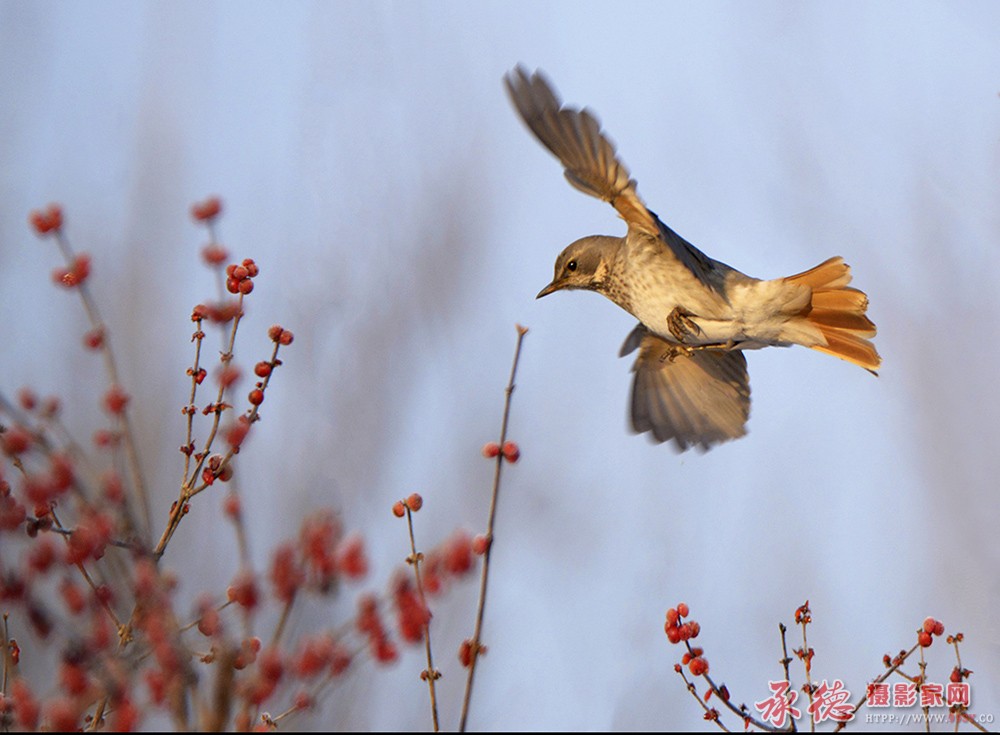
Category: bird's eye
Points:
column 571, row 266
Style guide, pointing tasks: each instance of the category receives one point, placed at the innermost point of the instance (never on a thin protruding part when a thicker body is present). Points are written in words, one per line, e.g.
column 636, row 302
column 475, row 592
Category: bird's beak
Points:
column 551, row 288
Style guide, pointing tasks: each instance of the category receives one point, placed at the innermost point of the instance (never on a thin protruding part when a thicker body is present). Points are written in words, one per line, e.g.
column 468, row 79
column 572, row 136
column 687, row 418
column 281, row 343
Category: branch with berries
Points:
column 826, row 701
column 81, row 572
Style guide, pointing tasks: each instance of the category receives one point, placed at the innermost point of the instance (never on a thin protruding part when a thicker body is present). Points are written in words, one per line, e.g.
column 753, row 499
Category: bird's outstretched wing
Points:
column 590, row 163
column 699, row 399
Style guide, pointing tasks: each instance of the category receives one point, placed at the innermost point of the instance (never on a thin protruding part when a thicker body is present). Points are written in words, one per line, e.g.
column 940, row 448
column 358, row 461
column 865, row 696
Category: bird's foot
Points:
column 681, row 325
column 676, row 350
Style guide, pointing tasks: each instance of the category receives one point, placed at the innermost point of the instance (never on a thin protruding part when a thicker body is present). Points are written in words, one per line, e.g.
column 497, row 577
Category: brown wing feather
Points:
column 590, row 165
column 574, row 136
column 697, row 400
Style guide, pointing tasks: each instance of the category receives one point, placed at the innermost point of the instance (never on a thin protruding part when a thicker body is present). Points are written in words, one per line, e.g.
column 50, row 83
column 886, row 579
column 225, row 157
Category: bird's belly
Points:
column 708, row 332
column 724, row 332
column 706, row 323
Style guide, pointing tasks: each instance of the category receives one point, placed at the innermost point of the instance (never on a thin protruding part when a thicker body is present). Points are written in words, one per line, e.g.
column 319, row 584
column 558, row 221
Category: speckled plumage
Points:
column 696, row 314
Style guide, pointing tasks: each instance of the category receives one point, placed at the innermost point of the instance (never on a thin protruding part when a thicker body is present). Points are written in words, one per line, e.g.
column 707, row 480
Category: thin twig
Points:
column 131, row 450
column 474, row 649
column 807, row 659
column 878, row 680
column 188, row 488
column 6, row 657
column 431, row 674
column 190, row 409
column 742, row 714
column 785, row 658
column 704, row 705
column 86, row 575
column 920, row 686
column 279, row 629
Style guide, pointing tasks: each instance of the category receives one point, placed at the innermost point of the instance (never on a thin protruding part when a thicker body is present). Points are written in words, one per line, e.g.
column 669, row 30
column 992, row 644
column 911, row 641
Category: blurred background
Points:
column 403, row 220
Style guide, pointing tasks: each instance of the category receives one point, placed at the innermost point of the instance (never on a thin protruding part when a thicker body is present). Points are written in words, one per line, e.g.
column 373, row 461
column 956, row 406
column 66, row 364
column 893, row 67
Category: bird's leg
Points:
column 674, row 351
column 726, row 346
column 680, row 324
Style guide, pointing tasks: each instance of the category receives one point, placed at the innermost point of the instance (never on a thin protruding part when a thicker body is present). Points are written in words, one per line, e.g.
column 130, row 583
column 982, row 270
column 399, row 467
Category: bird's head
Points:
column 584, row 264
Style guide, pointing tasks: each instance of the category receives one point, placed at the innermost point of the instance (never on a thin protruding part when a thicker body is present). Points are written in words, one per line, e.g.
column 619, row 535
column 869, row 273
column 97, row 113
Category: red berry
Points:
column 351, row 559
column 228, row 375
column 480, row 544
column 115, row 400
column 214, row 254
column 81, row 266
column 511, row 452
column 415, row 502
column 398, row 509
column 385, row 651
column 924, row 639
column 48, row 220
column 673, row 633
column 231, row 506
column 15, row 440
column 698, row 666
column 938, row 628
column 682, row 610
column 929, row 624
column 27, row 398
column 236, row 433
column 64, row 277
column 256, row 396
column 243, row 590
column 50, row 407
column 465, row 653
column 262, row 369
column 94, row 339
column 491, row 450
column 303, row 701
column 206, row 210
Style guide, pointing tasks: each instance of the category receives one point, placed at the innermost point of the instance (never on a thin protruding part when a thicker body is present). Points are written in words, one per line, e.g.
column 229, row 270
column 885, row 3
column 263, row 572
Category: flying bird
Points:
column 696, row 315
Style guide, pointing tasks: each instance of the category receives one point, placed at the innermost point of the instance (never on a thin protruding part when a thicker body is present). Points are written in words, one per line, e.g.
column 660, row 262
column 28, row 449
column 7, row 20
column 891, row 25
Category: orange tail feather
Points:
column 838, row 312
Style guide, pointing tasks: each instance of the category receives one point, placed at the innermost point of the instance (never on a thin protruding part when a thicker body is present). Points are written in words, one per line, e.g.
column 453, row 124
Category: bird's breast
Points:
column 651, row 292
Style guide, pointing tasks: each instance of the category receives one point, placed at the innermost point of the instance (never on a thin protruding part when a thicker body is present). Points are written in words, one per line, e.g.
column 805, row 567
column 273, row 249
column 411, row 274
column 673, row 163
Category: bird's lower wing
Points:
column 698, row 400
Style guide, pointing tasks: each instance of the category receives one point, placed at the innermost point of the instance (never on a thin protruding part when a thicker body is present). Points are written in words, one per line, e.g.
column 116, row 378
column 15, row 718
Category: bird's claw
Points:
column 681, row 325
column 678, row 350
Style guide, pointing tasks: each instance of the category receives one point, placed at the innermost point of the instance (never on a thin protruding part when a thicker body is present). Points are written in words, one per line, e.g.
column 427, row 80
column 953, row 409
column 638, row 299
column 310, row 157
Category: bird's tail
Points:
column 838, row 312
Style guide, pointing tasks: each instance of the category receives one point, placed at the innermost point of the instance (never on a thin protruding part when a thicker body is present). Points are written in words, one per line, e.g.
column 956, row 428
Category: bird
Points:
column 697, row 316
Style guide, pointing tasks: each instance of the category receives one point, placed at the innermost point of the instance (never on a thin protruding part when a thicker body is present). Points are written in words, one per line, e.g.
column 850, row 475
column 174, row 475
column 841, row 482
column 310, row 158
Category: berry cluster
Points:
column 239, row 276
column 47, row 220
column 75, row 273
column 679, row 631
column 413, row 503
column 511, row 452
column 930, row 628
